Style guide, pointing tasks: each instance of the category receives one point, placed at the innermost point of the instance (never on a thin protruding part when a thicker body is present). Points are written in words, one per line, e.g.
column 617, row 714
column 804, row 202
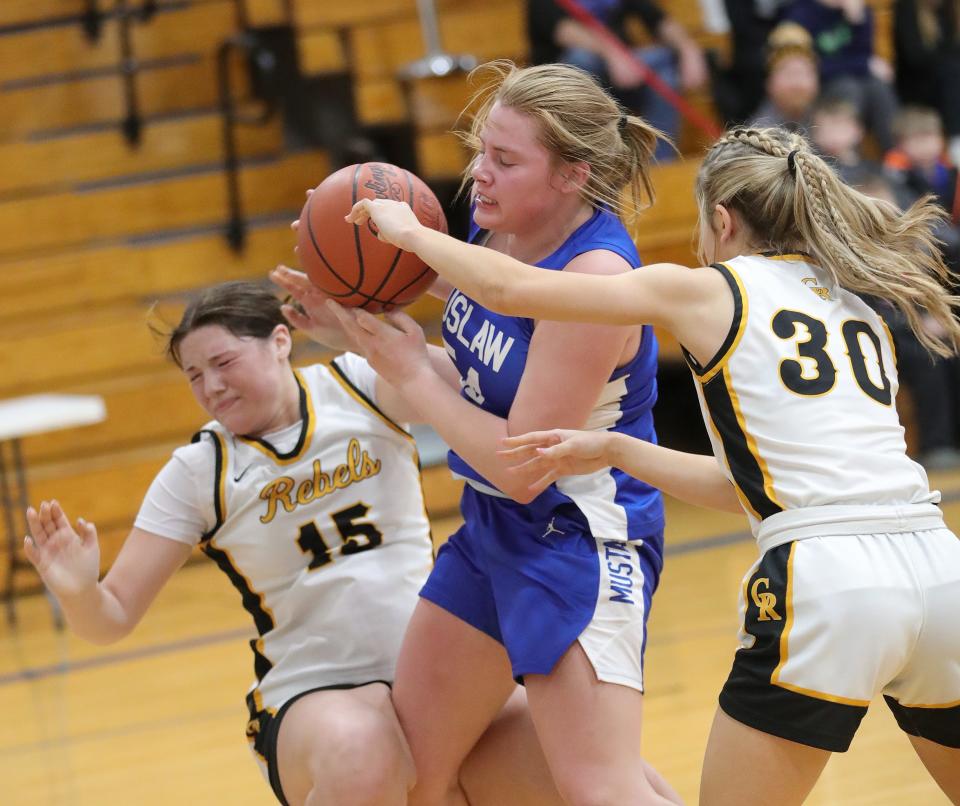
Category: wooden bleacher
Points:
column 165, row 145
column 67, row 220
column 81, row 100
column 20, row 12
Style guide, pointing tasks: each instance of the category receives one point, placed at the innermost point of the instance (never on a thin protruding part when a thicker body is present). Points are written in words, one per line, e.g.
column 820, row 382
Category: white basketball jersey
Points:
column 328, row 544
column 800, row 399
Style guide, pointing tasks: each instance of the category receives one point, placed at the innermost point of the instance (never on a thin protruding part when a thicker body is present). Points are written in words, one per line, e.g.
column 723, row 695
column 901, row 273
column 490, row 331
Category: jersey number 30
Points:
column 357, row 535
column 798, row 376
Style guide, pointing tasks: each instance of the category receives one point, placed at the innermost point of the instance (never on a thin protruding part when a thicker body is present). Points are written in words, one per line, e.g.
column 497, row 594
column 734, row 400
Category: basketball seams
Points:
column 316, row 246
column 391, row 274
column 356, row 230
column 410, row 198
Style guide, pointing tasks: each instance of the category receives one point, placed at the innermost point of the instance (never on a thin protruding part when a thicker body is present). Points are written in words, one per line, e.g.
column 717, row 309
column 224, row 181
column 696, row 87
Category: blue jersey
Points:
column 490, row 352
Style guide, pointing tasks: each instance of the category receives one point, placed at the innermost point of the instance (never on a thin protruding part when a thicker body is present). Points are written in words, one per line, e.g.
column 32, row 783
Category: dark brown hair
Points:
column 242, row 307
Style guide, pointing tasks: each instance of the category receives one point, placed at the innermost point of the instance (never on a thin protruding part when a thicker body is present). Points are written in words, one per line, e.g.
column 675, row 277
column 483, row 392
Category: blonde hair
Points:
column 577, row 121
column 789, row 39
column 868, row 245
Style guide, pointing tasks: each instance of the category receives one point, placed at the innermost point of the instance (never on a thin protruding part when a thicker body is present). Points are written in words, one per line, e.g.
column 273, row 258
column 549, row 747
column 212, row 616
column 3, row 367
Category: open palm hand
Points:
column 67, row 560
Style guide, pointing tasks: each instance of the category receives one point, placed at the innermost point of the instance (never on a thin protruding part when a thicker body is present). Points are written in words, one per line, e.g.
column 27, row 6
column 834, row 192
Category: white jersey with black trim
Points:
column 328, row 542
column 800, row 404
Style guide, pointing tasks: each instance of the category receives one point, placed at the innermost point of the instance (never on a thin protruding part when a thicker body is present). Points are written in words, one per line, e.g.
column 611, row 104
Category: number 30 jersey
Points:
column 800, row 403
column 321, row 528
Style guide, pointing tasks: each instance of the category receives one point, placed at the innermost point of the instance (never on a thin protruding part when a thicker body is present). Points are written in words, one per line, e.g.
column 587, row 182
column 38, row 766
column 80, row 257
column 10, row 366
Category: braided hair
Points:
column 791, row 200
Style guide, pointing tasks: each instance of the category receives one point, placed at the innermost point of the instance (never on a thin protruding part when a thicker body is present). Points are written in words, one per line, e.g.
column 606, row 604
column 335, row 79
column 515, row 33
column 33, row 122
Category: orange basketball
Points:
column 348, row 262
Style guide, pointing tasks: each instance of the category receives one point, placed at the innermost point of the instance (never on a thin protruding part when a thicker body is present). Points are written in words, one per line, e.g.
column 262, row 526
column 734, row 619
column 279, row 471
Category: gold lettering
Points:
column 359, row 465
column 321, row 481
column 341, row 477
column 764, row 600
column 370, row 466
column 355, row 460
column 305, row 492
column 277, row 490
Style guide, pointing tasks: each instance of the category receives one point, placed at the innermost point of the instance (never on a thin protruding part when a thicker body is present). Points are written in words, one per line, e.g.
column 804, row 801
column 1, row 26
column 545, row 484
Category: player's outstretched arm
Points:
column 664, row 294
column 690, row 477
column 68, row 561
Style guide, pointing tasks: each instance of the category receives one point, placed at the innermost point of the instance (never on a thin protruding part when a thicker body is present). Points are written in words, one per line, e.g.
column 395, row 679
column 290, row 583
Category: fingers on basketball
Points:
column 349, row 262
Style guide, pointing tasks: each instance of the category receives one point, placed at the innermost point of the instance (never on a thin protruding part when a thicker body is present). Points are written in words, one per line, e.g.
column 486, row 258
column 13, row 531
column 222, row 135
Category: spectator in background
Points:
column 837, row 133
column 676, row 58
column 918, row 164
column 933, row 382
column 926, row 38
column 792, row 83
column 842, row 33
column 738, row 87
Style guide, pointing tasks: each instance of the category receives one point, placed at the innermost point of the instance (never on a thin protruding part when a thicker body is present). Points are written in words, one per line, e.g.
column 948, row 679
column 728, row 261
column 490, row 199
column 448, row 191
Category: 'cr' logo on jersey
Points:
column 764, row 600
column 820, row 291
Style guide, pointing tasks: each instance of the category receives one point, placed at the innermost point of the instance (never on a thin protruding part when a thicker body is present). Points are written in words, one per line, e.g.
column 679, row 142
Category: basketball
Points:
column 348, row 262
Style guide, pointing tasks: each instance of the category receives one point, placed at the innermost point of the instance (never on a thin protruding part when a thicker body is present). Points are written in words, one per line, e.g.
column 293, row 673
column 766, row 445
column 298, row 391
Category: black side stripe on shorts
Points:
column 744, row 464
column 257, row 726
column 754, row 693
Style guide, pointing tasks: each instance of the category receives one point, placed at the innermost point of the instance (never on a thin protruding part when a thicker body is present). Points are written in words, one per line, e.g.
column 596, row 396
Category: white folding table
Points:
column 21, row 417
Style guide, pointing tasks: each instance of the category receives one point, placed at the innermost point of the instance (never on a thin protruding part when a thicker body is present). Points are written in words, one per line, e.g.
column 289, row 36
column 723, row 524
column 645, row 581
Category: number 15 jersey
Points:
column 320, row 527
column 799, row 402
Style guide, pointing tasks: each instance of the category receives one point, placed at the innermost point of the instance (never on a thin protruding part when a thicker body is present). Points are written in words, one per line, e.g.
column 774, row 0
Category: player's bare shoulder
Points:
column 599, row 262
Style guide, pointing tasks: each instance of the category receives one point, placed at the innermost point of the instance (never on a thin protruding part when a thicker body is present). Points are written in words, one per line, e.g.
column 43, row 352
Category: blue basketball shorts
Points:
column 537, row 587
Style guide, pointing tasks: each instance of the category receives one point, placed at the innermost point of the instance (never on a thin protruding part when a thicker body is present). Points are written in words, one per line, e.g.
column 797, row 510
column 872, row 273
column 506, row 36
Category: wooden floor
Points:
column 159, row 718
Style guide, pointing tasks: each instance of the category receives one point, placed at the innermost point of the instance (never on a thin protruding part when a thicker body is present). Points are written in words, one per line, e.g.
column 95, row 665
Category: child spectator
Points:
column 837, row 134
column 792, row 82
column 737, row 83
column 918, row 164
column 842, row 33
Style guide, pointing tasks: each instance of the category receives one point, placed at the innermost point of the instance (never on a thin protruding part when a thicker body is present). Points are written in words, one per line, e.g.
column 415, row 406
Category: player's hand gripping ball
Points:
column 349, row 263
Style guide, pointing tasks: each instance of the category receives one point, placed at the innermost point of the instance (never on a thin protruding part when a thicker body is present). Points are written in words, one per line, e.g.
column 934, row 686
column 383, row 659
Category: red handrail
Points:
column 656, row 83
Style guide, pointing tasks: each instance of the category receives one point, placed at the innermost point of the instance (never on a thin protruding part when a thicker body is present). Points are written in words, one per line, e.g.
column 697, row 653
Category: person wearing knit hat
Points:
column 792, row 79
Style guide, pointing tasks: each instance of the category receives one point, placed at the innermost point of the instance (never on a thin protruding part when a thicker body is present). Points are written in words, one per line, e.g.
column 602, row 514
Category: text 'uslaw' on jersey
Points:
column 488, row 343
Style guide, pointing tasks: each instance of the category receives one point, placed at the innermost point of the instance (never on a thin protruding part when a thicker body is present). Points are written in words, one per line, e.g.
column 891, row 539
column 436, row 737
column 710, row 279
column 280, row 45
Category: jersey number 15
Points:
column 357, row 535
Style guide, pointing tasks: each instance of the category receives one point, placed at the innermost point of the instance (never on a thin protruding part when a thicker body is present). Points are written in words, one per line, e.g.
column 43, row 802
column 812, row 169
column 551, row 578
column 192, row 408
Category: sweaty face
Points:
column 242, row 381
column 513, row 174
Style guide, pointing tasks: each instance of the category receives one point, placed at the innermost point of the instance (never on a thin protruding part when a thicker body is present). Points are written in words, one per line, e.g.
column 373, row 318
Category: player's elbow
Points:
column 522, row 494
column 101, row 635
column 518, row 487
column 493, row 292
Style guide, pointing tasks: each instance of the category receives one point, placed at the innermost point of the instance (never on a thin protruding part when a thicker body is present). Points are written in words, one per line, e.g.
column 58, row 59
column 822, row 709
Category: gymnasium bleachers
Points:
column 94, row 231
